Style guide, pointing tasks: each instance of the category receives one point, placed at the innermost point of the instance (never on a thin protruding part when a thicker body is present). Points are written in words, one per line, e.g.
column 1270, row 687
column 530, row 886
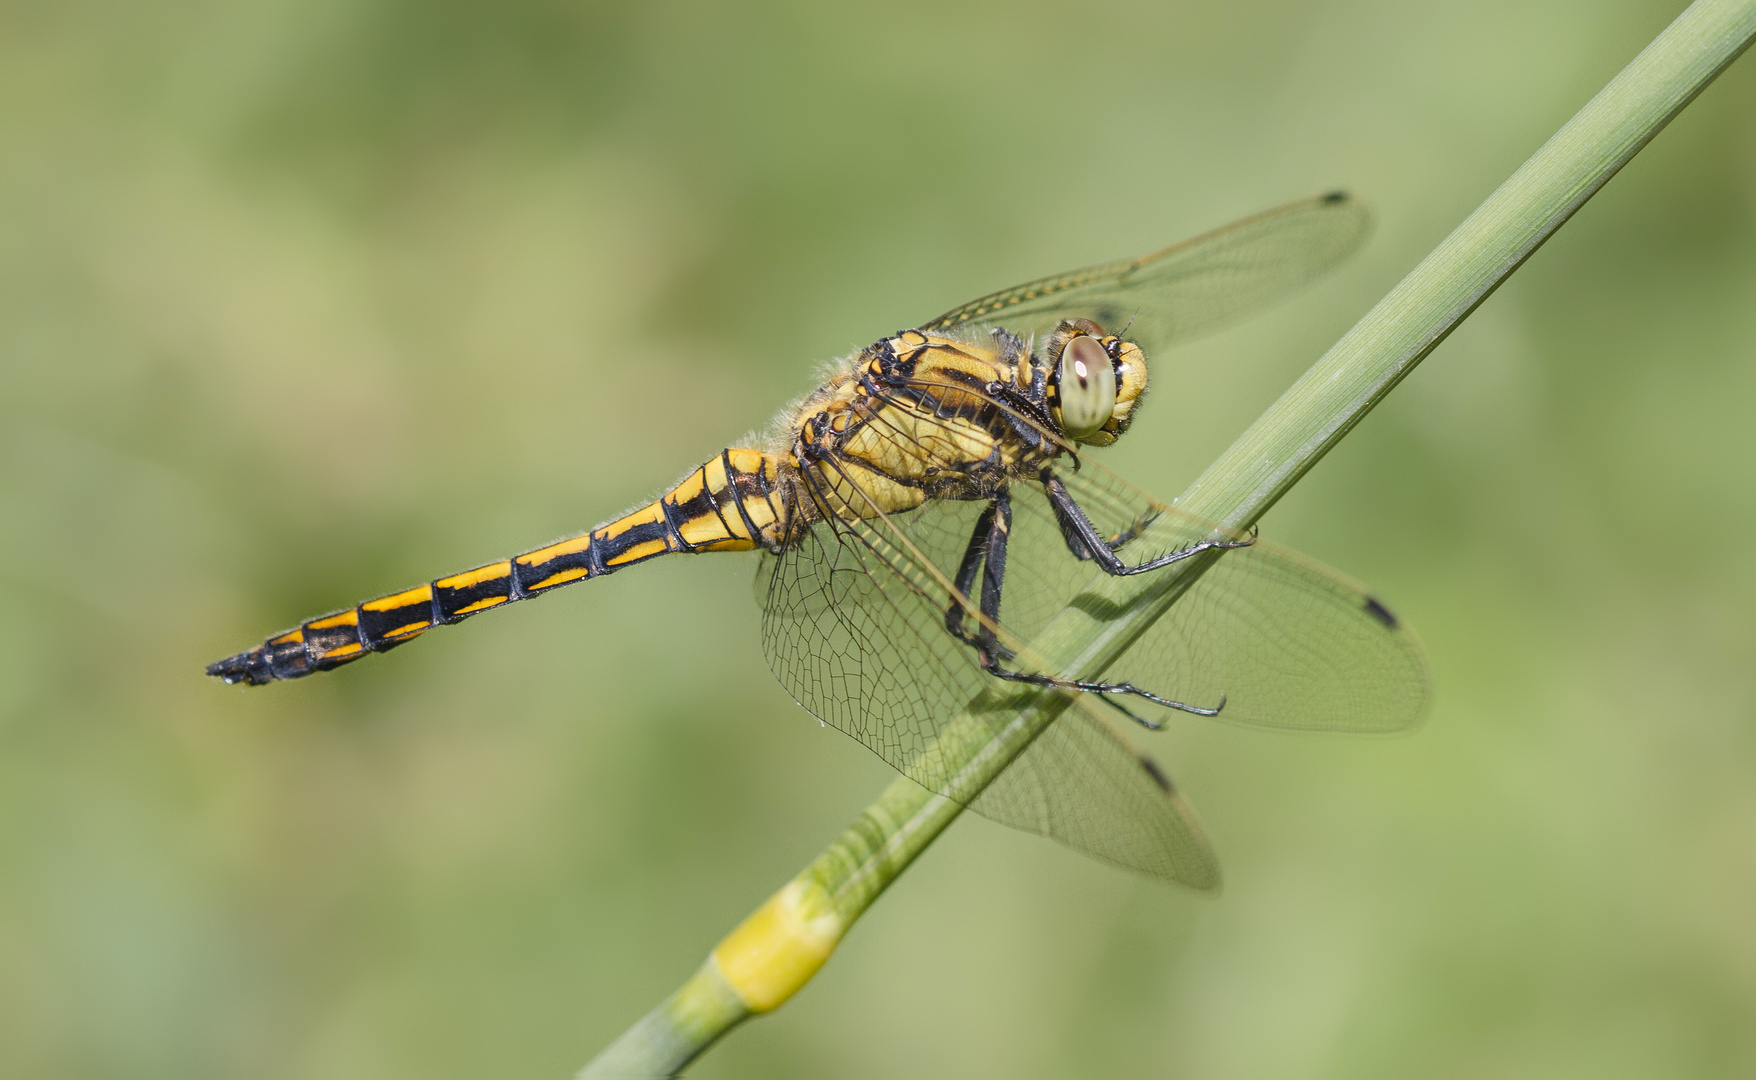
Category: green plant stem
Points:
column 1309, row 419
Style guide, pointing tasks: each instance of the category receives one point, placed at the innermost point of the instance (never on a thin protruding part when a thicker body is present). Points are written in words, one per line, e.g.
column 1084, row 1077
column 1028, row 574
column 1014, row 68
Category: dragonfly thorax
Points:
column 921, row 416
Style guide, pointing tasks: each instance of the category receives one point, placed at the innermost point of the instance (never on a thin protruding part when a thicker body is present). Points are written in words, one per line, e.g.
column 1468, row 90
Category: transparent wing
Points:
column 1189, row 288
column 1282, row 640
column 854, row 628
column 1286, row 641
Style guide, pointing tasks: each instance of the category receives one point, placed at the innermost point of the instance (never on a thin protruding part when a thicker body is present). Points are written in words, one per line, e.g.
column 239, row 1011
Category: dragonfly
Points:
column 923, row 515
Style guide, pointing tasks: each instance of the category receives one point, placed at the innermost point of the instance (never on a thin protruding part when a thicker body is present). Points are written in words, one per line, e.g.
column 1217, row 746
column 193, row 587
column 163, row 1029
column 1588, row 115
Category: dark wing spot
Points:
column 1380, row 612
column 1157, row 774
column 1334, row 197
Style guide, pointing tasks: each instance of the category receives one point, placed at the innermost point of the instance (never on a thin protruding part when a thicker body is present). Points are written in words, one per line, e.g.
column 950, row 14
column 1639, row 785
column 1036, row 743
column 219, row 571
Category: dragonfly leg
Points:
column 1150, row 725
column 986, row 551
column 1084, row 540
column 955, row 612
column 988, row 547
column 1132, row 532
column 1107, row 691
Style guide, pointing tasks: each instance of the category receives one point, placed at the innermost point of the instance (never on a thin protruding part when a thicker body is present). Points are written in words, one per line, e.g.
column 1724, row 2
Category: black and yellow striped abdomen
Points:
column 735, row 502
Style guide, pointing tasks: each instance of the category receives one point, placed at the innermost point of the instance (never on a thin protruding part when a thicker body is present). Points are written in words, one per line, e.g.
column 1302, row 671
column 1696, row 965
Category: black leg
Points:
column 988, row 543
column 987, row 552
column 1132, row 532
column 966, row 574
column 1105, row 689
column 994, row 578
column 1084, row 540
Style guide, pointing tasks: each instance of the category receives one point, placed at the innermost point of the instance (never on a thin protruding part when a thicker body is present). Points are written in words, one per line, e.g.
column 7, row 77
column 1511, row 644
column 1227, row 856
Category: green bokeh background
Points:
column 300, row 303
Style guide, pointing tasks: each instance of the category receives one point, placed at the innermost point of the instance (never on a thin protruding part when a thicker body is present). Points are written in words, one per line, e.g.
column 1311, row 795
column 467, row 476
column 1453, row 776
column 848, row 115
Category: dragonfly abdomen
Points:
column 731, row 503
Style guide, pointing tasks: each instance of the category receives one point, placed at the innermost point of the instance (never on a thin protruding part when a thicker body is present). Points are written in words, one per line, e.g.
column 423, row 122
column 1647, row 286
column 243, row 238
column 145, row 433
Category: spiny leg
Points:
column 987, row 551
column 988, row 544
column 1132, row 532
column 1155, row 725
column 1105, row 690
column 955, row 612
column 1084, row 540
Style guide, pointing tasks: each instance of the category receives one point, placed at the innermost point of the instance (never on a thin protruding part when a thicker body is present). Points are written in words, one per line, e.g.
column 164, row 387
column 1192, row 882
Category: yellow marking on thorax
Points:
column 900, row 447
column 944, row 355
column 864, row 494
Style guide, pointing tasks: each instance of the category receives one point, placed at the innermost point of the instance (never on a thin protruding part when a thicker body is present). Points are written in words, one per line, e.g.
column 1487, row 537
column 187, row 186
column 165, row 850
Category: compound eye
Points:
column 1087, row 388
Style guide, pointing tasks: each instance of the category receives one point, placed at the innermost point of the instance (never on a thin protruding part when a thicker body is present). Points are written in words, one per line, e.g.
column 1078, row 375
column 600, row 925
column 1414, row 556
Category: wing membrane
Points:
column 854, row 618
column 854, row 628
column 1189, row 288
column 1283, row 640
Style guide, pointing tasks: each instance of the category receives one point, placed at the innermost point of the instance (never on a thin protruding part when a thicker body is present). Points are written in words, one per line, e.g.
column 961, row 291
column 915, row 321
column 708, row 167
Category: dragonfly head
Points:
column 1095, row 381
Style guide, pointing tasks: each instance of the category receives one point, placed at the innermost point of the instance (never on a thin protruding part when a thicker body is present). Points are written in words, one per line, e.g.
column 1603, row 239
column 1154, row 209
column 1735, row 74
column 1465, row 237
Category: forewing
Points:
column 1189, row 288
column 1282, row 640
column 854, row 628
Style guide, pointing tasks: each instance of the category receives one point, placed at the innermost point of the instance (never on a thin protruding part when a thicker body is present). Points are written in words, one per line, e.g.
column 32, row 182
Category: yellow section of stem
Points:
column 780, row 946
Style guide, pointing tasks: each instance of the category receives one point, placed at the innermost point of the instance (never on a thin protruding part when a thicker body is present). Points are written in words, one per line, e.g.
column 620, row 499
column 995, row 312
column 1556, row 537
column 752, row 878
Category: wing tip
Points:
column 1375, row 608
column 1158, row 775
column 1196, row 868
column 1211, row 884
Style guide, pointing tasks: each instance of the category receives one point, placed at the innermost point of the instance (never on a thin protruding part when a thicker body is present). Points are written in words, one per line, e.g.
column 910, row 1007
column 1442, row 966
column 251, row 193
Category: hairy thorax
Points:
column 912, row 418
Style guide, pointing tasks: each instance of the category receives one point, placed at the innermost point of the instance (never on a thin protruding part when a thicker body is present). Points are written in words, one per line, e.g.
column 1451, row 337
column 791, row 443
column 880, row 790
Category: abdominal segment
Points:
column 734, row 502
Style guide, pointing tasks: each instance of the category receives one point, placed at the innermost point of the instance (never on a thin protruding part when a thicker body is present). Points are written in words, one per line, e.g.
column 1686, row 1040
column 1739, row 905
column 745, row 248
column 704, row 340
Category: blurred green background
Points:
column 300, row 303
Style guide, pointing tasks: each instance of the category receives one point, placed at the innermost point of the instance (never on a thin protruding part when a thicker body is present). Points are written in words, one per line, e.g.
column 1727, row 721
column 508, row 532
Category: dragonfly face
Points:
column 925, row 514
column 1096, row 380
